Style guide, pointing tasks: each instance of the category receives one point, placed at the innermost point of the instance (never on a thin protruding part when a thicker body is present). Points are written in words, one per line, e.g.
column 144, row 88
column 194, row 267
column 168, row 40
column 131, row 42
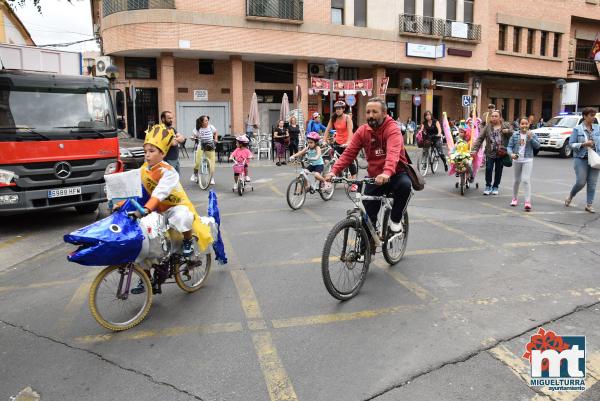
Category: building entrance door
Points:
column 188, row 112
column 146, row 110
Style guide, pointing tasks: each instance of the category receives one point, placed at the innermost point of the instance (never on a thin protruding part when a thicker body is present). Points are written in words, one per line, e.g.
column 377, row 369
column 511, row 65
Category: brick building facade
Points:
column 507, row 52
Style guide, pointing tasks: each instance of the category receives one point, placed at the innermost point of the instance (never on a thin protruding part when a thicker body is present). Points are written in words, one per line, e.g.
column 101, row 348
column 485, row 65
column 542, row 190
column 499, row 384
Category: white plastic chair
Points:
column 264, row 146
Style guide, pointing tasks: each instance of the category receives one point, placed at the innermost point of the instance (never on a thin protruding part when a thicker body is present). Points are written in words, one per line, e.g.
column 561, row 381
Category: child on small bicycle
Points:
column 460, row 155
column 163, row 193
column 241, row 155
column 313, row 155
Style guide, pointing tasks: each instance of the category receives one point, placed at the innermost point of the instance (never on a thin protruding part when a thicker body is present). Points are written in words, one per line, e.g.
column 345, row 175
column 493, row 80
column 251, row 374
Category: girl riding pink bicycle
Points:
column 240, row 157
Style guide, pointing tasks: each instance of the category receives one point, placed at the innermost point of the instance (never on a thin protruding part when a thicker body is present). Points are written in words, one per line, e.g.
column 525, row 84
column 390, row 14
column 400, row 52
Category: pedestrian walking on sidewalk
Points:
column 585, row 137
column 520, row 149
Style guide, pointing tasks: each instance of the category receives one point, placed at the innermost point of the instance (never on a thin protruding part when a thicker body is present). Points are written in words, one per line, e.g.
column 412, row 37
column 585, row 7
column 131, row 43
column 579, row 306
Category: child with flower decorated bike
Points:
column 460, row 155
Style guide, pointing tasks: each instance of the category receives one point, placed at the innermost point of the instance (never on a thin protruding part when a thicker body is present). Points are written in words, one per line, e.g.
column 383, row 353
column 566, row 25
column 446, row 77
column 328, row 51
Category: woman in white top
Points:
column 207, row 136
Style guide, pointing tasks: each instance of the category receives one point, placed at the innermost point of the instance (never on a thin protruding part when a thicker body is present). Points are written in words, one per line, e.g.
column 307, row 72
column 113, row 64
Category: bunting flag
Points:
column 322, row 85
column 213, row 211
column 449, row 140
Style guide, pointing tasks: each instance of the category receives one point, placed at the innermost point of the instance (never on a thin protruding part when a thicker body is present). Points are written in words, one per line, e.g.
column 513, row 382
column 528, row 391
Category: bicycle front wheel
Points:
column 204, row 174
column 116, row 311
column 345, row 260
column 394, row 244
column 296, row 195
column 240, row 185
column 423, row 163
column 435, row 161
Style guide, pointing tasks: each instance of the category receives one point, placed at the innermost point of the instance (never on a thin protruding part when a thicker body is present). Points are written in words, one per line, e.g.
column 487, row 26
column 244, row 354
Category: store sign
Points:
column 570, row 93
column 201, row 95
column 460, row 30
column 425, row 51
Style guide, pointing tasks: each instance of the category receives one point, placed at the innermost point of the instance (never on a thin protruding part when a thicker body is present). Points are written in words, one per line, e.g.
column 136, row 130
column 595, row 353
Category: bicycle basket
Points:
column 238, row 168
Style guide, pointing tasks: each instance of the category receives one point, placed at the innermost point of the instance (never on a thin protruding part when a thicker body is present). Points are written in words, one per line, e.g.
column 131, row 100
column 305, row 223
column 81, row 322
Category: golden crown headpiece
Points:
column 160, row 136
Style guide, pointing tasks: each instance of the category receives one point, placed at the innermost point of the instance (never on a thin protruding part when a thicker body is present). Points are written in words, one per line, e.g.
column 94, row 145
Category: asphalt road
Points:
column 449, row 322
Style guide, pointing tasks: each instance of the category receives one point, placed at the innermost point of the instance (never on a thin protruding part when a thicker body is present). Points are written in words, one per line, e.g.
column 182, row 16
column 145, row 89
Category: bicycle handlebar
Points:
column 366, row 180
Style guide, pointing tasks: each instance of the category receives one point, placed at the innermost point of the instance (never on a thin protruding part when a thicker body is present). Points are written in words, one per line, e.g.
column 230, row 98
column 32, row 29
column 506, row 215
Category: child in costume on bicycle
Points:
column 239, row 155
column 314, row 156
column 163, row 193
column 460, row 155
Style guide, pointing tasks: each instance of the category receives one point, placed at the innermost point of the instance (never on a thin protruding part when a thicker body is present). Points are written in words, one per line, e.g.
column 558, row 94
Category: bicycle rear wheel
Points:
column 204, row 174
column 296, row 195
column 462, row 183
column 191, row 275
column 394, row 244
column 345, row 260
column 116, row 312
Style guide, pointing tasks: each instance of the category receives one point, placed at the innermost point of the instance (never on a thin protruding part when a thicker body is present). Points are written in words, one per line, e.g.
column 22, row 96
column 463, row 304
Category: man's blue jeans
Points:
column 584, row 175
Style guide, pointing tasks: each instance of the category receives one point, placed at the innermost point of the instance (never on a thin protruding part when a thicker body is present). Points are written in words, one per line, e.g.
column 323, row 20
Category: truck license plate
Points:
column 60, row 192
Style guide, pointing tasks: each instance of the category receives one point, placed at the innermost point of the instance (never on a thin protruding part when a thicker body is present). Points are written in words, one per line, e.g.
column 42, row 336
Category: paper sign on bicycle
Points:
column 124, row 185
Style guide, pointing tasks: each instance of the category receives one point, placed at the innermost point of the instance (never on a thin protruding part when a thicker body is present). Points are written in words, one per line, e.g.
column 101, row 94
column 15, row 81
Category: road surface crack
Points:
column 478, row 351
column 102, row 358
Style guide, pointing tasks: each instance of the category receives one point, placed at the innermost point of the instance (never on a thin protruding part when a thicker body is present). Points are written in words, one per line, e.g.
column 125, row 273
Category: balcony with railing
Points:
column 419, row 25
column 291, row 11
column 582, row 66
column 114, row 6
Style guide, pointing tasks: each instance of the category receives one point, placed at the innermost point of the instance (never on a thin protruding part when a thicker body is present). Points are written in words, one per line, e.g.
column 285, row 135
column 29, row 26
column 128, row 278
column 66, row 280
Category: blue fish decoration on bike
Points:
column 115, row 239
column 213, row 211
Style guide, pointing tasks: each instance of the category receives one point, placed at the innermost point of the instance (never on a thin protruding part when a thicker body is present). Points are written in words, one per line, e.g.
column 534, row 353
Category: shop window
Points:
column 556, row 46
column 502, row 37
column 140, row 68
column 394, row 81
column 206, row 67
column 544, row 43
column 516, row 39
column 360, row 12
column 276, row 73
column 337, row 12
column 468, row 11
column 530, row 39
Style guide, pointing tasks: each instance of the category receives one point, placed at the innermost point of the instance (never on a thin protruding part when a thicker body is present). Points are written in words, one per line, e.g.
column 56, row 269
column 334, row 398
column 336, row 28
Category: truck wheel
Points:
column 566, row 150
column 86, row 209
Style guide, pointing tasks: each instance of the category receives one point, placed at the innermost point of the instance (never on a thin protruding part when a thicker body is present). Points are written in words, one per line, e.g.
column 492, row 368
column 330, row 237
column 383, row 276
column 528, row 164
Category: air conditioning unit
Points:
column 102, row 64
column 316, row 70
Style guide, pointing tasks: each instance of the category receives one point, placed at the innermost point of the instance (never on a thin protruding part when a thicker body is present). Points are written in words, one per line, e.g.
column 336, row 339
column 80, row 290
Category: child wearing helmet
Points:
column 314, row 156
column 241, row 153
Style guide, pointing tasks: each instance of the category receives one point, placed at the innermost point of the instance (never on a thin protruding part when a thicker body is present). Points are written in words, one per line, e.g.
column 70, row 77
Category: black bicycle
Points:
column 430, row 157
column 350, row 243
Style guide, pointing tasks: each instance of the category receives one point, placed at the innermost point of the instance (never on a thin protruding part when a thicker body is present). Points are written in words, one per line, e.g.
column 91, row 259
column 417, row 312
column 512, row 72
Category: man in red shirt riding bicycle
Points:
column 382, row 141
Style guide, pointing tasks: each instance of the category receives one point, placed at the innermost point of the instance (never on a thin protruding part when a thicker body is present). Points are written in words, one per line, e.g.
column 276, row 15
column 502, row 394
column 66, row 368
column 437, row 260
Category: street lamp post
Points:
column 560, row 84
column 331, row 67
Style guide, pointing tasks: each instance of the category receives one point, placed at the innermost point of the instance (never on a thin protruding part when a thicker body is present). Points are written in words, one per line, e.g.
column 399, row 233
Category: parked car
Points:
column 131, row 151
column 554, row 136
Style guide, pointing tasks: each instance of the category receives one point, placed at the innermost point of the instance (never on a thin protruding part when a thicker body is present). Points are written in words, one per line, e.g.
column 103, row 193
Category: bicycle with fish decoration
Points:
column 130, row 246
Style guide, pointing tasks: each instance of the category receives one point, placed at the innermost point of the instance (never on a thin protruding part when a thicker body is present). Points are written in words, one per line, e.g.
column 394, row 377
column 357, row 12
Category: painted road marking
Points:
column 279, row 384
column 341, row 316
column 277, row 191
column 71, row 311
column 38, row 285
column 453, row 230
column 413, row 287
column 216, row 328
column 11, row 241
column 312, row 215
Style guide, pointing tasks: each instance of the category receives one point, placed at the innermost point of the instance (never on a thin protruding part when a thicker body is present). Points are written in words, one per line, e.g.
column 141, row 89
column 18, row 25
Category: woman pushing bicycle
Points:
column 386, row 156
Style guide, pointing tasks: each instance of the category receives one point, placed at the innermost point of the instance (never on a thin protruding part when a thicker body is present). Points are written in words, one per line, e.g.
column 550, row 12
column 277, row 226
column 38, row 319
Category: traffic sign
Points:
column 417, row 100
column 466, row 100
column 350, row 100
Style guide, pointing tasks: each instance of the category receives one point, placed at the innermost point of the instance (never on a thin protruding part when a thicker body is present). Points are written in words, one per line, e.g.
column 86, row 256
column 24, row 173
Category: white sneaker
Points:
column 235, row 187
column 212, row 181
column 395, row 227
column 247, row 178
column 194, row 178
